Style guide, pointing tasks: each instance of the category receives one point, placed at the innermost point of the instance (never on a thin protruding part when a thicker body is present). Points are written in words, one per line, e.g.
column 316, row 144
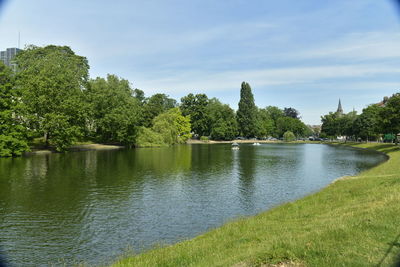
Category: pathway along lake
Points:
column 92, row 206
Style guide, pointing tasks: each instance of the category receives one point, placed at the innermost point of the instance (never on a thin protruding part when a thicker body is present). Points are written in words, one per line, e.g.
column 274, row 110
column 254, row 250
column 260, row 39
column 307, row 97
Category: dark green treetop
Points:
column 52, row 80
column 13, row 133
column 247, row 112
column 195, row 106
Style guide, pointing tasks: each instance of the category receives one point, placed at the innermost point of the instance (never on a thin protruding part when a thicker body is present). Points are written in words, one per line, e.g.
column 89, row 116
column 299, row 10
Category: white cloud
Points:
column 188, row 81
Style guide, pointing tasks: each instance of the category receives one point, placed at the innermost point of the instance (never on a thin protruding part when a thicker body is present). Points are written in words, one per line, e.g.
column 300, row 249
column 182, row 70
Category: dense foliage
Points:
column 168, row 128
column 51, row 97
column 13, row 133
column 376, row 122
column 112, row 111
column 247, row 112
column 289, row 136
column 52, row 80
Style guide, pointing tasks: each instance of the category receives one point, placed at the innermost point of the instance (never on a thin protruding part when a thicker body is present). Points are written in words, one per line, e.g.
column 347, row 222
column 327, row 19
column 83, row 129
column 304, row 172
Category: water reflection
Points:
column 91, row 206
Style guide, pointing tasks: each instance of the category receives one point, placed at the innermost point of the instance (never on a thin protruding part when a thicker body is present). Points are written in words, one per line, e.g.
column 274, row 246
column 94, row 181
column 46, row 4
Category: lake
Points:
column 93, row 206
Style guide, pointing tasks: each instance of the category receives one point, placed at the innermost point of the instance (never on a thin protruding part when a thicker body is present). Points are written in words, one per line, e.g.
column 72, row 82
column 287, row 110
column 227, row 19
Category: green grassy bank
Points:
column 353, row 222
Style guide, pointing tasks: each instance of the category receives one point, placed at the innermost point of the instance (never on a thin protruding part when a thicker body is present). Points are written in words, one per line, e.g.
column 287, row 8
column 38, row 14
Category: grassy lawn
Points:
column 353, row 222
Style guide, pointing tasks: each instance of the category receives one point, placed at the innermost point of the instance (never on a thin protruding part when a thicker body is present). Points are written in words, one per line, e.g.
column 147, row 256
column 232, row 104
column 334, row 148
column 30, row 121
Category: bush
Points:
column 289, row 136
column 148, row 138
column 204, row 138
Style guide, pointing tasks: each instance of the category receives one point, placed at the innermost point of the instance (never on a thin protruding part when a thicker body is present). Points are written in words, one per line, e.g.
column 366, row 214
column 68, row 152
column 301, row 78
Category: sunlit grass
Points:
column 352, row 222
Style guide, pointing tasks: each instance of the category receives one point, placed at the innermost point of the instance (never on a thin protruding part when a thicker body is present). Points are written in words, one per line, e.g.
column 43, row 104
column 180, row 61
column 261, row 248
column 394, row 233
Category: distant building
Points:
column 8, row 57
column 339, row 110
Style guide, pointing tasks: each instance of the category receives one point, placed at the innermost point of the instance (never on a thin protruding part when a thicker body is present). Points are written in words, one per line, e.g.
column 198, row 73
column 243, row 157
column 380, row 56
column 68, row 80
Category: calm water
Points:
column 92, row 206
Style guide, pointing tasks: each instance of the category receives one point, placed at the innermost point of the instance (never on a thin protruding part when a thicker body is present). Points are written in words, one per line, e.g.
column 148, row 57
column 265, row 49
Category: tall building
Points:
column 8, row 55
column 339, row 110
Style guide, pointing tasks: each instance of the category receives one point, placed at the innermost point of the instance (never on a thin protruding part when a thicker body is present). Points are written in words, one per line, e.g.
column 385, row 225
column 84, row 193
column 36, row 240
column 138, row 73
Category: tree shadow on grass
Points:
column 392, row 245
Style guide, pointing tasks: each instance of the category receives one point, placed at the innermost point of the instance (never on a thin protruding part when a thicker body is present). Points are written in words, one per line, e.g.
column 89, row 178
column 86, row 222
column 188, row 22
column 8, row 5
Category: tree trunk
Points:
column 46, row 139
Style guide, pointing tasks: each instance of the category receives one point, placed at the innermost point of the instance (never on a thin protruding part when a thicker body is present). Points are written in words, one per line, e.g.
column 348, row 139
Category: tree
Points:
column 154, row 106
column 139, row 95
column 13, row 133
column 288, row 136
column 368, row 125
column 265, row 124
column 336, row 124
column 274, row 113
column 169, row 128
column 390, row 115
column 330, row 125
column 52, row 80
column 247, row 112
column 114, row 111
column 291, row 112
column 195, row 106
column 222, row 120
column 295, row 126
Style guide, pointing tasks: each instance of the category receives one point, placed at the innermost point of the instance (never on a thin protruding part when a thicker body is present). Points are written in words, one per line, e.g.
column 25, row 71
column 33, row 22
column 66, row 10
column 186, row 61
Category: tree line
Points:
column 51, row 97
column 377, row 122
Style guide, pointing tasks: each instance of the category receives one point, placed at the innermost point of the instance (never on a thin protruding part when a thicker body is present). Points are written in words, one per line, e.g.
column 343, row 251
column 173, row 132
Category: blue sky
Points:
column 302, row 54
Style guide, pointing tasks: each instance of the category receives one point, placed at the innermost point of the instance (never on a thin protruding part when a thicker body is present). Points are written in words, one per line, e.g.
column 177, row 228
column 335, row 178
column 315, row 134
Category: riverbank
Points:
column 352, row 222
column 74, row 148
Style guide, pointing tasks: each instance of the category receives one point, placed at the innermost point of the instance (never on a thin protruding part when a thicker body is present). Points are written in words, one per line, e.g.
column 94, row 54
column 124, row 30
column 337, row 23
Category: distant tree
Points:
column 330, row 125
column 154, row 106
column 13, row 133
column 288, row 136
column 334, row 124
column 139, row 95
column 368, row 124
column 274, row 113
column 265, row 124
column 169, row 128
column 390, row 115
column 195, row 106
column 113, row 111
column 222, row 121
column 291, row 112
column 295, row 126
column 247, row 112
column 52, row 80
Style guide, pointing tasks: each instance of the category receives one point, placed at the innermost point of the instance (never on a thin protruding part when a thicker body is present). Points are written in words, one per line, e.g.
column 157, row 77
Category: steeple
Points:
column 339, row 108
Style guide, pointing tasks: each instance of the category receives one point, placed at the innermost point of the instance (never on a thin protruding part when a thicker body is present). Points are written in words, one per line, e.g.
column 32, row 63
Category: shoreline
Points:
column 75, row 148
column 320, row 229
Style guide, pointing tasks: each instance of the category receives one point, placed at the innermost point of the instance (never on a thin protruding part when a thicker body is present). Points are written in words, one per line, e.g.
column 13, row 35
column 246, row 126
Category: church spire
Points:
column 339, row 108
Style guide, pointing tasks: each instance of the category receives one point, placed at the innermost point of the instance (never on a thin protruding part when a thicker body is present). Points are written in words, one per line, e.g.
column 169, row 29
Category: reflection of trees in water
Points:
column 247, row 171
column 168, row 160
column 212, row 158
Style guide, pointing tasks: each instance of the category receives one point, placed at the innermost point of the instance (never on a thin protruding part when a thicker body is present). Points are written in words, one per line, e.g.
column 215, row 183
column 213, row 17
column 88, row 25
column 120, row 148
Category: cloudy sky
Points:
column 302, row 54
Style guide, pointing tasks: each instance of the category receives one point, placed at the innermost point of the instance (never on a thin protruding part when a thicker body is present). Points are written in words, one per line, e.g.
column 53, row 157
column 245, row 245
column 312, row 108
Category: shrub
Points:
column 204, row 138
column 289, row 136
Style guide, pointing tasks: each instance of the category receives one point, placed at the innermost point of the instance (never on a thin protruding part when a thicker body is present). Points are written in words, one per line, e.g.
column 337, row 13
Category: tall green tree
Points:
column 291, row 112
column 223, row 123
column 289, row 124
column 274, row 113
column 247, row 112
column 13, row 133
column 52, row 80
column 390, row 115
column 368, row 125
column 154, row 106
column 196, row 106
column 113, row 109
column 265, row 124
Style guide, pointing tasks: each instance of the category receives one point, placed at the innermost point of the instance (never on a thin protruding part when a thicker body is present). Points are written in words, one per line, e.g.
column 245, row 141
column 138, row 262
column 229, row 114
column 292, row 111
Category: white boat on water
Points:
column 256, row 144
column 235, row 146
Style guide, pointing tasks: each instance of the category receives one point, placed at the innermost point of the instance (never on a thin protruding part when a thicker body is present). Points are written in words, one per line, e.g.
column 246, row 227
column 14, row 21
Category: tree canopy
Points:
column 247, row 112
column 13, row 132
column 52, row 80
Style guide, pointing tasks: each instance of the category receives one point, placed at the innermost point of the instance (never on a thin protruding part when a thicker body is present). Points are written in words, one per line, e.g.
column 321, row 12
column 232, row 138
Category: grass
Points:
column 353, row 222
